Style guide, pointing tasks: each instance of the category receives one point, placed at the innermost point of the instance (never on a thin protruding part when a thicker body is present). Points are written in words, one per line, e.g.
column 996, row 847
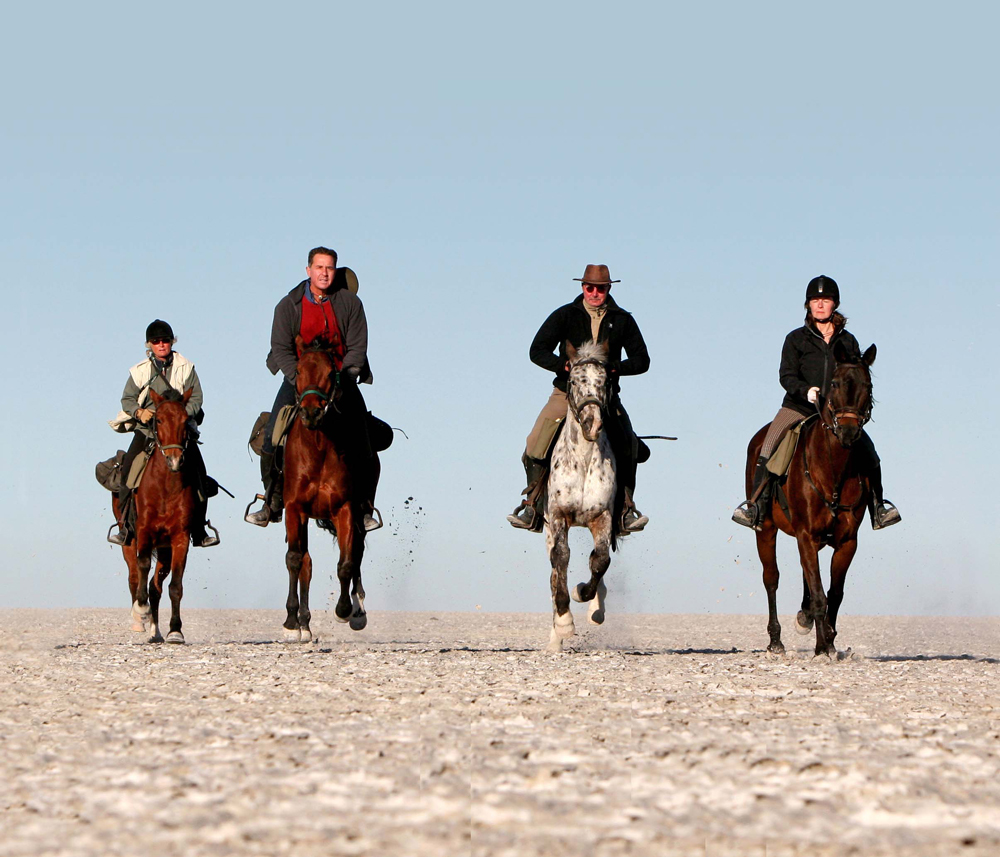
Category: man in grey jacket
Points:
column 308, row 310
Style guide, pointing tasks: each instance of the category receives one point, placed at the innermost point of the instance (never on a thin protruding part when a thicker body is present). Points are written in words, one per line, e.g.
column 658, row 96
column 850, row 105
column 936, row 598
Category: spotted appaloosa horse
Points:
column 827, row 500
column 581, row 488
column 164, row 503
column 321, row 481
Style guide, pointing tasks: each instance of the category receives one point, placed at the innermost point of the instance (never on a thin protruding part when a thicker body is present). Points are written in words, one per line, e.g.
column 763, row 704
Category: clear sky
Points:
column 468, row 162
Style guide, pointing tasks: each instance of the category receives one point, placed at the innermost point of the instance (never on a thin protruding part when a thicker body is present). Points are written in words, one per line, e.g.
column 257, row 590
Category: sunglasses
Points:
column 160, row 341
column 601, row 288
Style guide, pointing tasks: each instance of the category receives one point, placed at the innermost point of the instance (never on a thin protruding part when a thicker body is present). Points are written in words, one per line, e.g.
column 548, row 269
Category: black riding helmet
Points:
column 159, row 329
column 823, row 287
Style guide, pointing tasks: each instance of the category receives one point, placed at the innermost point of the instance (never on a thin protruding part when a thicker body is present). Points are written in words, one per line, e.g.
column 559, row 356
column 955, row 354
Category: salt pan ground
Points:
column 456, row 734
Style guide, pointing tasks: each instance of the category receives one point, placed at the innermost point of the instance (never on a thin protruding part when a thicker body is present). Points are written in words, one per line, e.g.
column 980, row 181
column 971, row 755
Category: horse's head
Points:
column 587, row 388
column 316, row 381
column 849, row 401
column 170, row 425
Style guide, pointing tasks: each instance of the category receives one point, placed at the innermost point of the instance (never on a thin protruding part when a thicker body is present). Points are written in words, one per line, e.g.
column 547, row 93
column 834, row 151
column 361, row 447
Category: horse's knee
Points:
column 345, row 571
column 293, row 561
column 559, row 555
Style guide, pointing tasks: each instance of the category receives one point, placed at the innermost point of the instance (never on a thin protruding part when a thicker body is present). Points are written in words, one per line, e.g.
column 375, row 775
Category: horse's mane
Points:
column 171, row 395
column 590, row 350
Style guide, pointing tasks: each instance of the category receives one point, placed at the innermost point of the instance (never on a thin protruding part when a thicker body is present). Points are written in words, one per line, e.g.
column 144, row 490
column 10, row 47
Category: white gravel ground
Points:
column 456, row 734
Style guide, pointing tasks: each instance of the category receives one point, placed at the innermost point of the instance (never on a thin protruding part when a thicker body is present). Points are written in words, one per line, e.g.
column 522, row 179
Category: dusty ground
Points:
column 455, row 734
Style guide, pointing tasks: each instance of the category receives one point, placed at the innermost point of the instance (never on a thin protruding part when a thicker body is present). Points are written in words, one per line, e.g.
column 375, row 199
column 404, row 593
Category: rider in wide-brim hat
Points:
column 807, row 365
column 163, row 369
column 594, row 315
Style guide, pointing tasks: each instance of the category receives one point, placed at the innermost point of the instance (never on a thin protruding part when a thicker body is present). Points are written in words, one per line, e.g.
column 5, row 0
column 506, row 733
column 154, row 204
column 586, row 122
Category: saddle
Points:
column 379, row 432
column 109, row 472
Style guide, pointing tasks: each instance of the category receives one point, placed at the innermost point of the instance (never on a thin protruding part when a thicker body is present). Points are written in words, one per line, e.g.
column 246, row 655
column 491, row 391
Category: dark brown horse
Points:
column 323, row 481
column 827, row 498
column 164, row 502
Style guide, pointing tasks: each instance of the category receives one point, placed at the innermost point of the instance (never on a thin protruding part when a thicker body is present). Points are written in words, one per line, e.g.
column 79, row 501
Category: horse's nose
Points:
column 174, row 462
column 849, row 433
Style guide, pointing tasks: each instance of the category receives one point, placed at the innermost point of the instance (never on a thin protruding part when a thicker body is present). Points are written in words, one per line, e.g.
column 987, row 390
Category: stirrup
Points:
column 262, row 517
column 371, row 522
column 638, row 522
column 883, row 517
column 120, row 537
column 208, row 541
column 523, row 517
column 746, row 516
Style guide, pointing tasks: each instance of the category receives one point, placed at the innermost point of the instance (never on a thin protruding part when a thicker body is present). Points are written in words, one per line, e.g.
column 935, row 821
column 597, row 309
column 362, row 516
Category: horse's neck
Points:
column 577, row 442
column 827, row 457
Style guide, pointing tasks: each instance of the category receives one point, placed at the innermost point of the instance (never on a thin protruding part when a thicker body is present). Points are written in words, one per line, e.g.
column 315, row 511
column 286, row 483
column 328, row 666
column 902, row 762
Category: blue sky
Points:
column 468, row 163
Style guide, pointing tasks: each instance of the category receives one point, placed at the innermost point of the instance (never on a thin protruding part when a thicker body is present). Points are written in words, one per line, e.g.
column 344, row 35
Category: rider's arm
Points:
column 197, row 397
column 355, row 332
column 283, row 340
column 637, row 360
column 130, row 397
column 790, row 371
column 546, row 342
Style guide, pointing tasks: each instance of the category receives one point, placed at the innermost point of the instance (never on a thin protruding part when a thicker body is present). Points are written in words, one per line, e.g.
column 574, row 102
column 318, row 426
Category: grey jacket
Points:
column 134, row 396
column 351, row 320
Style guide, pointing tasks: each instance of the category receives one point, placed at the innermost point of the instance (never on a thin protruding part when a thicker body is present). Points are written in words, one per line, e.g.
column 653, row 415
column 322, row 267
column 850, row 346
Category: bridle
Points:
column 837, row 414
column 326, row 398
column 577, row 406
column 163, row 447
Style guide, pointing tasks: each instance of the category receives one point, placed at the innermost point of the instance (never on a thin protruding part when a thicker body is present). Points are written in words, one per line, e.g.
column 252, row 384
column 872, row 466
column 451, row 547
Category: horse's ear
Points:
column 869, row 356
column 570, row 351
column 605, row 348
column 840, row 352
column 156, row 397
column 187, row 394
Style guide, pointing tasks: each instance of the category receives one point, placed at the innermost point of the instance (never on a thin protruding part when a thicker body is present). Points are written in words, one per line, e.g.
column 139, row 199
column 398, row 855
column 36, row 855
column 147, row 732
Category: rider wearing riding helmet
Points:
column 594, row 315
column 162, row 370
column 807, row 365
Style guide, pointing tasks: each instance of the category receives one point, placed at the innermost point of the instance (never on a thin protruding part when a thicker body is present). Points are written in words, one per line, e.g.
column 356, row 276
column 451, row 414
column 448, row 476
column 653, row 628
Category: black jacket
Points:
column 807, row 361
column 572, row 322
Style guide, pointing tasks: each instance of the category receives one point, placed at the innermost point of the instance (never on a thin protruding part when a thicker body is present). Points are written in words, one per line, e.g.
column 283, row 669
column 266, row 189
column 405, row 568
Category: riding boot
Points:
column 633, row 521
column 528, row 515
column 271, row 512
column 199, row 521
column 752, row 514
column 883, row 512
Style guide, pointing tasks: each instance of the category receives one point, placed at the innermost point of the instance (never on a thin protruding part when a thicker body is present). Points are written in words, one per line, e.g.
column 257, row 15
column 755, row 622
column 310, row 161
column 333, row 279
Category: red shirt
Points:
column 320, row 322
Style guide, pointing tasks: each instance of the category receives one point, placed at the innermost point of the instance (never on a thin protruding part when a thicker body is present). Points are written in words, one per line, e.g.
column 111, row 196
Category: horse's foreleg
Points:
column 177, row 559
column 809, row 557
column 136, row 613
column 147, row 600
column 767, row 551
column 843, row 555
column 347, row 535
column 359, row 619
column 594, row 591
column 804, row 618
column 557, row 541
column 305, row 578
column 296, row 533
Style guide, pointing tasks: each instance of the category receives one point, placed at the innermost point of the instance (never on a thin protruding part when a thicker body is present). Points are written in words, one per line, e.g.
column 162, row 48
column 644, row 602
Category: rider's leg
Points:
column 271, row 513
column 752, row 514
column 199, row 514
column 528, row 514
column 124, row 534
column 367, row 465
column 627, row 458
column 883, row 512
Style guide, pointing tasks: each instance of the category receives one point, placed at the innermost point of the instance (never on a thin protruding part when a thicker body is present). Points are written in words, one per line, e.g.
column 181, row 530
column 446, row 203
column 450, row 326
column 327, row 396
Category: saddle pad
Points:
column 282, row 424
column 781, row 458
column 138, row 467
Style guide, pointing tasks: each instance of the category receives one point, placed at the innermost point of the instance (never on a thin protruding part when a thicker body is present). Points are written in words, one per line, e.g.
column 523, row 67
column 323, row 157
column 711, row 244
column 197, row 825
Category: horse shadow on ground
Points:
column 891, row 659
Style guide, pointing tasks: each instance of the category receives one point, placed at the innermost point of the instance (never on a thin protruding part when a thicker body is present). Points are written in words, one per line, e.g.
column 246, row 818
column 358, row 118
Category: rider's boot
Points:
column 753, row 514
column 883, row 512
column 526, row 516
column 199, row 534
column 633, row 521
column 124, row 534
column 272, row 512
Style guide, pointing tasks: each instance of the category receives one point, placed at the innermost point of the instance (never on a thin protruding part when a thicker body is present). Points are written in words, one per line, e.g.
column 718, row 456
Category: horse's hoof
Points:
column 803, row 623
column 140, row 617
column 156, row 638
column 596, row 613
column 776, row 648
column 290, row 635
column 555, row 645
column 562, row 626
column 830, row 653
column 359, row 622
column 175, row 637
column 575, row 594
column 305, row 635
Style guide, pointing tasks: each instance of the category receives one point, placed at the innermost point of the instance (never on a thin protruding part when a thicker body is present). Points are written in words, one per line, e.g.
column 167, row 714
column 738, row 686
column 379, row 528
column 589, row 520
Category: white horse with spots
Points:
column 581, row 488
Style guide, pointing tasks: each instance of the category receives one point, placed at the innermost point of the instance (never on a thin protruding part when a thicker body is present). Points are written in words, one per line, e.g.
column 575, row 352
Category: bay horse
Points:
column 164, row 505
column 321, row 482
column 827, row 496
column 581, row 488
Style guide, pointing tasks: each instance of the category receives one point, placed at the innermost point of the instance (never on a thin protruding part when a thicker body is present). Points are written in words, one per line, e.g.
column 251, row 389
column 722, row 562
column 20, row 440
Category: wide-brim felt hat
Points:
column 596, row 275
column 345, row 278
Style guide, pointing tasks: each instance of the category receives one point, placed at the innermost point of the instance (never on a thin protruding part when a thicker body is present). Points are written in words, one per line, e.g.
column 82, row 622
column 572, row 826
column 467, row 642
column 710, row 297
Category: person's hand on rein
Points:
column 144, row 415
